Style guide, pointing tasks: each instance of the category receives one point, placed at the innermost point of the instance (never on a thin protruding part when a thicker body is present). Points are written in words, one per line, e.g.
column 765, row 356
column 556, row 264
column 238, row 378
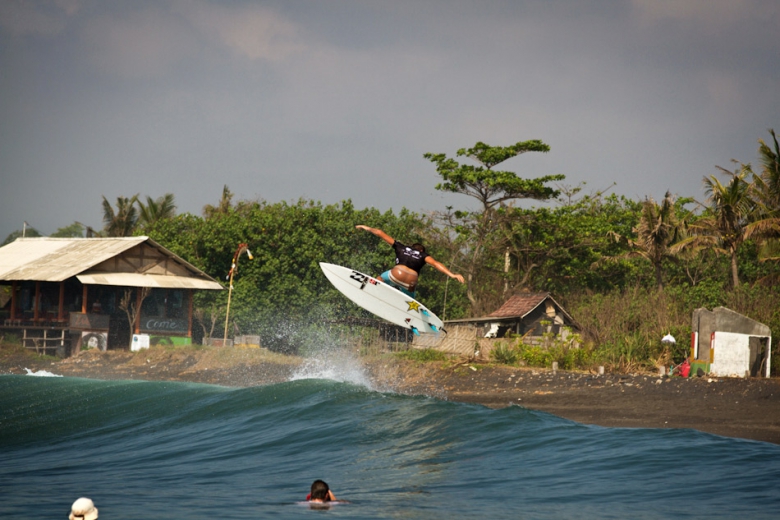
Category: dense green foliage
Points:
column 282, row 291
column 74, row 230
column 568, row 250
column 628, row 271
column 489, row 186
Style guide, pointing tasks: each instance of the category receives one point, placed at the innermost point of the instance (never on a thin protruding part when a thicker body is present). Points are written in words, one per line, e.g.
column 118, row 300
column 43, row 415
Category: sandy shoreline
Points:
column 744, row 408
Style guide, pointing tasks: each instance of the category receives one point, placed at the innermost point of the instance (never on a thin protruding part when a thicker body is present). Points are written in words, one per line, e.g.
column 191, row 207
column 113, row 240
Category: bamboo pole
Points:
column 241, row 248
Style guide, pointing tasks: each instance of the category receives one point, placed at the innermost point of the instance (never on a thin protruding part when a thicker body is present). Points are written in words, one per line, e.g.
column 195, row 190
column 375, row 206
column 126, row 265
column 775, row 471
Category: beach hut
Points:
column 61, row 293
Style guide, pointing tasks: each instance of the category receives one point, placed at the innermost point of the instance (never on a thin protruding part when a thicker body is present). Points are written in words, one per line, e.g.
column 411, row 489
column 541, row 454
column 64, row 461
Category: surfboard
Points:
column 382, row 300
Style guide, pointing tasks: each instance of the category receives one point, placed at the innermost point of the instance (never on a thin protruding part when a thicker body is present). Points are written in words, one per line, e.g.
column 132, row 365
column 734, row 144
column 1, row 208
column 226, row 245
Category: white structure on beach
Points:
column 732, row 344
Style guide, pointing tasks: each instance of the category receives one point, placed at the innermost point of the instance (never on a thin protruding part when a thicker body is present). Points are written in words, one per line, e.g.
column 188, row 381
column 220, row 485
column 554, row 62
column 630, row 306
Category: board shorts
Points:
column 385, row 277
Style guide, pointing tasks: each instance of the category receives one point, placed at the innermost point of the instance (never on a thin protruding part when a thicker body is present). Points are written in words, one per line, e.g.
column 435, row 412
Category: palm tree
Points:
column 767, row 184
column 223, row 207
column 766, row 192
column 725, row 227
column 123, row 221
column 156, row 209
column 657, row 231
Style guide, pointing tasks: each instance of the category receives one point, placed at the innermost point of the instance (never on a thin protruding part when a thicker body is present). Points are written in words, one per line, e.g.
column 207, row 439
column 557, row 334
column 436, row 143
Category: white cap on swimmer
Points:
column 83, row 509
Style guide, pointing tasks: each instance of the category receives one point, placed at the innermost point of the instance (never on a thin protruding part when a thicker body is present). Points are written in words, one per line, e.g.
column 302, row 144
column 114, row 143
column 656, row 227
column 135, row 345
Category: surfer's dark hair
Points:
column 319, row 490
column 418, row 247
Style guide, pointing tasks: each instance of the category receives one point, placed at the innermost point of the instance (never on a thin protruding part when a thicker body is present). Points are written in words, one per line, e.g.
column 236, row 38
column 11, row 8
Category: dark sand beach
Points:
column 744, row 408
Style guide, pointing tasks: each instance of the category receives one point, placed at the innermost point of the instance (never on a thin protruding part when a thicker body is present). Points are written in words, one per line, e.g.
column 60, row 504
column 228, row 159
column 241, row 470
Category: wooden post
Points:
column 138, row 310
column 13, row 300
column 84, row 299
column 37, row 300
column 189, row 313
column 61, row 304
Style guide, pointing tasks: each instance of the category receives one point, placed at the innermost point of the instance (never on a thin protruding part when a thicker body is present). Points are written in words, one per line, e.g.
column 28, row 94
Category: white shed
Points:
column 732, row 345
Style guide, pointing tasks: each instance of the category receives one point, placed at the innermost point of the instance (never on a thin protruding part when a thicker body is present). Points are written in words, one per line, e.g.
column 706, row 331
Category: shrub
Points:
column 505, row 354
column 535, row 356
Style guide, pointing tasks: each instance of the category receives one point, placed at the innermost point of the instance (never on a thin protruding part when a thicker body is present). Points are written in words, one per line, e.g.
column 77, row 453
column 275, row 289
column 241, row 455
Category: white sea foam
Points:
column 335, row 366
column 41, row 373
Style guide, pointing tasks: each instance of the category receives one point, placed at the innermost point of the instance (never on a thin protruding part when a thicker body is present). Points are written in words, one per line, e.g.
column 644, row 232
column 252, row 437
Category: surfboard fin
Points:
column 416, row 332
column 425, row 312
column 434, row 328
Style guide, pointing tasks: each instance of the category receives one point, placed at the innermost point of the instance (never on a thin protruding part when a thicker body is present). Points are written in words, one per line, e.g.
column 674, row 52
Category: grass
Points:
column 10, row 346
column 422, row 355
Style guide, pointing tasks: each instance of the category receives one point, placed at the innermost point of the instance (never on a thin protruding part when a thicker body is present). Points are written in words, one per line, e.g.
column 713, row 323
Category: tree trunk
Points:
column 734, row 270
column 658, row 278
column 469, row 291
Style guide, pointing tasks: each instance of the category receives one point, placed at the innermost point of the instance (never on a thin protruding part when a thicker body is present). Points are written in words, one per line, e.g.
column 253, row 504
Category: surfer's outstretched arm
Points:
column 441, row 267
column 378, row 232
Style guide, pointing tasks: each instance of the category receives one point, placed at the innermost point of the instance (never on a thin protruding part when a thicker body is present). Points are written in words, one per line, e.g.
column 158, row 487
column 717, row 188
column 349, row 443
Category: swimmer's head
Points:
column 319, row 490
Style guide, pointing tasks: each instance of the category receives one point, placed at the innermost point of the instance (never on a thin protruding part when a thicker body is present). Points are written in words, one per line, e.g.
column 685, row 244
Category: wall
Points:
column 725, row 321
column 468, row 341
column 731, row 355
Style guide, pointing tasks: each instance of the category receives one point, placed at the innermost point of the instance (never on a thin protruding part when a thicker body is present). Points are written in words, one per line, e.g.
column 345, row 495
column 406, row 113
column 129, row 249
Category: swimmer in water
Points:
column 320, row 492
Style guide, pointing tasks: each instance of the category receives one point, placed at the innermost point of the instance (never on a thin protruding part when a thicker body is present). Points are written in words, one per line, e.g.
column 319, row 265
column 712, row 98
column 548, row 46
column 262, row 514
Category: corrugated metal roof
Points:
column 147, row 280
column 49, row 259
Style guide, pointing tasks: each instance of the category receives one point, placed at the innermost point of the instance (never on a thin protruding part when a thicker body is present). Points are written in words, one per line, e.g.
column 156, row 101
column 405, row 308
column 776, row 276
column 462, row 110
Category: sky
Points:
column 335, row 100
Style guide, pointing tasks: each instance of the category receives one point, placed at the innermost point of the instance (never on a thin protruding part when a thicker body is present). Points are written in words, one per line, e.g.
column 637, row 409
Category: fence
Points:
column 466, row 340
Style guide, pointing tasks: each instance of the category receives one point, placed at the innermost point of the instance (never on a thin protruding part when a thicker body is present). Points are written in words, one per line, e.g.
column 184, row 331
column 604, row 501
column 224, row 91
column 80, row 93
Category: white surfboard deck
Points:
column 383, row 300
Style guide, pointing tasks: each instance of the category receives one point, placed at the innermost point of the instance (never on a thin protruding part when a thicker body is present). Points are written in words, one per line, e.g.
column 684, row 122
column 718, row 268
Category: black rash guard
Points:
column 405, row 255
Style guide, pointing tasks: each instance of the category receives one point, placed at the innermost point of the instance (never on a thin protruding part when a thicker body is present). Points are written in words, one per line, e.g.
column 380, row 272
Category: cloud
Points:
column 712, row 13
column 252, row 31
column 70, row 7
column 144, row 43
column 26, row 18
column 150, row 40
column 333, row 99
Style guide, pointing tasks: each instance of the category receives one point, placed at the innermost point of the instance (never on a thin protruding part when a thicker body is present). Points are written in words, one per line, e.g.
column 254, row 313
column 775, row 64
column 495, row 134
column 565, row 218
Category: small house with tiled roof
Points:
column 524, row 313
column 531, row 315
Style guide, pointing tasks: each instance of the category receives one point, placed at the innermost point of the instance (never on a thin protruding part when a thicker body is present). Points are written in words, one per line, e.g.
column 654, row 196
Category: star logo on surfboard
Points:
column 413, row 306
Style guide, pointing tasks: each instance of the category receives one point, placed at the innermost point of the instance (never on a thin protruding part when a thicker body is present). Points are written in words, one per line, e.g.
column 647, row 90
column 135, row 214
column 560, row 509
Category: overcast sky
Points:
column 334, row 100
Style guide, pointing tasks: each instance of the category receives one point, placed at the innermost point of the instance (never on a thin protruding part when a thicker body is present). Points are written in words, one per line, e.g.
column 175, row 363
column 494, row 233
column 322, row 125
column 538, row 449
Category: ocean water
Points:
column 187, row 451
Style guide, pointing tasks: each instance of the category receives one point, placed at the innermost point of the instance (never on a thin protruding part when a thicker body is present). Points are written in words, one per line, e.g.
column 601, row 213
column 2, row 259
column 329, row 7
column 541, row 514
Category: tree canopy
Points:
column 489, row 186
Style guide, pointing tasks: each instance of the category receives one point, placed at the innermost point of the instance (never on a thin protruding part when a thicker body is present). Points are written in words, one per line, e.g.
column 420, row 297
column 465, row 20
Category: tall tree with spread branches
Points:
column 493, row 189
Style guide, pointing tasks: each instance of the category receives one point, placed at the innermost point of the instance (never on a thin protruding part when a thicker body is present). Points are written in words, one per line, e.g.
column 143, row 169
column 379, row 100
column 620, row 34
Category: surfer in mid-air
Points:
column 408, row 262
